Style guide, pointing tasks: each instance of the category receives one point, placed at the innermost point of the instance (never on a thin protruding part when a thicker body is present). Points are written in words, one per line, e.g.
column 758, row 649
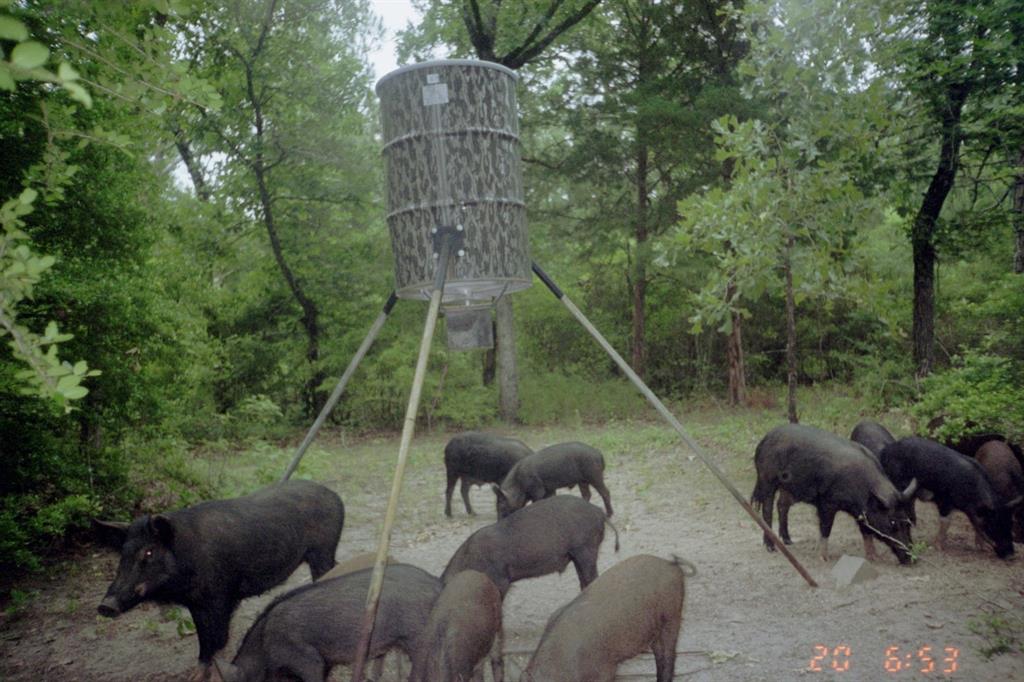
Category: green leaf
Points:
column 6, row 80
column 27, row 196
column 51, row 330
column 30, row 54
column 80, row 368
column 74, row 392
column 79, row 94
column 66, row 72
column 12, row 29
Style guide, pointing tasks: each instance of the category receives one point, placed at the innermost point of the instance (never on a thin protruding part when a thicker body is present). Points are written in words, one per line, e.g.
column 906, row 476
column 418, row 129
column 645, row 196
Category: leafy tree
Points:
column 289, row 150
column 798, row 187
column 625, row 125
column 959, row 62
column 22, row 267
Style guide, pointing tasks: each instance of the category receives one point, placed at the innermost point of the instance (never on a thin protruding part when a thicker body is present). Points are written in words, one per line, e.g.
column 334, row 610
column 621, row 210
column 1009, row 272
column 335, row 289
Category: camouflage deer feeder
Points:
column 451, row 151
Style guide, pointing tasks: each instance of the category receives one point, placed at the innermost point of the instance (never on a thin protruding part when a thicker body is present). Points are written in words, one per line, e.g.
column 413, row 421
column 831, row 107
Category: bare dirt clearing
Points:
column 748, row 615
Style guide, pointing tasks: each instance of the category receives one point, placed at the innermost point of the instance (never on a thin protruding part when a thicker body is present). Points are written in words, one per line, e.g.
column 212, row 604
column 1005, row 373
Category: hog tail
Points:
column 688, row 569
column 615, row 530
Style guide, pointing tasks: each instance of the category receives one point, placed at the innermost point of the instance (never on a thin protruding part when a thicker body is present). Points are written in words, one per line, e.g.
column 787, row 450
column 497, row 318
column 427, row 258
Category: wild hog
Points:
column 211, row 556
column 871, row 435
column 833, row 474
column 307, row 631
column 1007, row 478
column 558, row 466
column 874, row 437
column 479, row 458
column 460, row 631
column 635, row 606
column 954, row 482
column 540, row 539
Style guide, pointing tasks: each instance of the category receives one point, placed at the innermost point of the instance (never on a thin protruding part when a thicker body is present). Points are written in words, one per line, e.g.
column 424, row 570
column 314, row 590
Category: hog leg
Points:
column 766, row 512
column 664, row 650
column 452, row 478
column 585, row 491
column 826, row 516
column 869, row 547
column 603, row 492
column 981, row 539
column 498, row 656
column 785, row 502
column 465, row 495
column 940, row 537
column 212, row 622
column 377, row 669
column 585, row 561
column 320, row 560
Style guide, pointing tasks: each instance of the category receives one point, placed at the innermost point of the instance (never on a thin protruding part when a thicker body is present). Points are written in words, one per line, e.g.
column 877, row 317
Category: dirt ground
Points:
column 748, row 615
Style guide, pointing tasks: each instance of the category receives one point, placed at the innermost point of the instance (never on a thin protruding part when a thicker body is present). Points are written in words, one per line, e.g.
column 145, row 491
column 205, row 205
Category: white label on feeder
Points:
column 435, row 94
column 433, row 78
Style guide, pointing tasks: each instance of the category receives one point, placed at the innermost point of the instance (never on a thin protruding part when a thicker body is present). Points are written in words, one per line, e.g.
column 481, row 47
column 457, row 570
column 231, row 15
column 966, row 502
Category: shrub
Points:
column 980, row 392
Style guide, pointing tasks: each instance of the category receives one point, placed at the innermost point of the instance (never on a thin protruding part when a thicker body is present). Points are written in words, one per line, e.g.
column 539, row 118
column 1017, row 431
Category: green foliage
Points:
column 565, row 397
column 1002, row 633
column 980, row 392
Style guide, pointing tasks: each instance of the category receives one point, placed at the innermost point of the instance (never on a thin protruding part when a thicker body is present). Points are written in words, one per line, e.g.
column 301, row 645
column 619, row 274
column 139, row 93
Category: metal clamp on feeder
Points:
column 456, row 239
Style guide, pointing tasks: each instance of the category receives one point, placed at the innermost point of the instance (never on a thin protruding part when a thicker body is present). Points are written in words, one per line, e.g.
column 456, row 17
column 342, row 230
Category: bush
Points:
column 554, row 397
column 980, row 392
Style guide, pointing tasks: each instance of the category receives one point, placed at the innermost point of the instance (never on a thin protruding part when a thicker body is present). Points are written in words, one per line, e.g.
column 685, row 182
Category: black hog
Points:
column 874, row 437
column 211, row 556
column 635, row 606
column 540, row 539
column 307, row 631
column 952, row 481
column 479, row 458
column 558, row 466
column 461, row 630
column 969, row 444
column 1007, row 478
column 833, row 474
column 871, row 435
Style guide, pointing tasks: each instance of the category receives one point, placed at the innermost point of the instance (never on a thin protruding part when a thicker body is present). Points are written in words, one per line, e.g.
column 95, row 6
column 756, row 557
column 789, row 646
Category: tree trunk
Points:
column 314, row 398
column 640, row 233
column 490, row 359
column 790, row 333
column 1018, row 215
column 734, row 355
column 922, row 236
column 508, row 378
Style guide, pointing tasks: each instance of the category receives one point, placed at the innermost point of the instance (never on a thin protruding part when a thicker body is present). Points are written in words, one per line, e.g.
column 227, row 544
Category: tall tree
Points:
column 956, row 60
column 289, row 145
column 641, row 84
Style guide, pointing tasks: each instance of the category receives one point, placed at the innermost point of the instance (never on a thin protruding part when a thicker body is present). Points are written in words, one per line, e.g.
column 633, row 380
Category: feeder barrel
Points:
column 452, row 157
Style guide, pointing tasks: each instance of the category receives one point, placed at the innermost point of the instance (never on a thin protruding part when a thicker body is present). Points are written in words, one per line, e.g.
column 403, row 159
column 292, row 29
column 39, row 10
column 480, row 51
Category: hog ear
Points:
column 162, row 528
column 910, row 490
column 110, row 533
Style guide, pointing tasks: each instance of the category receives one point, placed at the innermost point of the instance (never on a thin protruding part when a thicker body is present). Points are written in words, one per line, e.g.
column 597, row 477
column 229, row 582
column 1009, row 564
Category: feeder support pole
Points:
column 673, row 422
column 377, row 579
column 371, row 336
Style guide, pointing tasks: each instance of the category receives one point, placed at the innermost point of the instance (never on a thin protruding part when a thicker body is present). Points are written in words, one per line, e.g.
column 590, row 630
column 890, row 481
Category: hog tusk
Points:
column 911, row 489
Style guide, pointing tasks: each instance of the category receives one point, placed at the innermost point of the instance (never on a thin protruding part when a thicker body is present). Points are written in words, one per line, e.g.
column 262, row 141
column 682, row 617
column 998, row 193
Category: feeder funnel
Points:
column 470, row 326
column 451, row 152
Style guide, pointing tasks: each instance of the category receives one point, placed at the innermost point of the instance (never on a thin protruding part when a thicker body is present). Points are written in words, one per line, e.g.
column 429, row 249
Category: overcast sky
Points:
column 395, row 14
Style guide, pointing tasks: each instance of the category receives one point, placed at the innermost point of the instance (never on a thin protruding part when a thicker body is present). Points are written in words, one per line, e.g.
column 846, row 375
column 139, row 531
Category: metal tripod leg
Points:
column 673, row 422
column 377, row 579
column 371, row 336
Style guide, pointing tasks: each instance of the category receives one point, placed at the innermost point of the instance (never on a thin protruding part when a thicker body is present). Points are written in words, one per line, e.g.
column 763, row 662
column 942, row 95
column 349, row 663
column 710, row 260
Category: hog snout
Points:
column 109, row 607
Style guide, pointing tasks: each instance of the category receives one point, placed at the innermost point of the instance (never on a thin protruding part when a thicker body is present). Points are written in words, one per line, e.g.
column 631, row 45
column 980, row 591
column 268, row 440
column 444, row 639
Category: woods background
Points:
column 742, row 196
